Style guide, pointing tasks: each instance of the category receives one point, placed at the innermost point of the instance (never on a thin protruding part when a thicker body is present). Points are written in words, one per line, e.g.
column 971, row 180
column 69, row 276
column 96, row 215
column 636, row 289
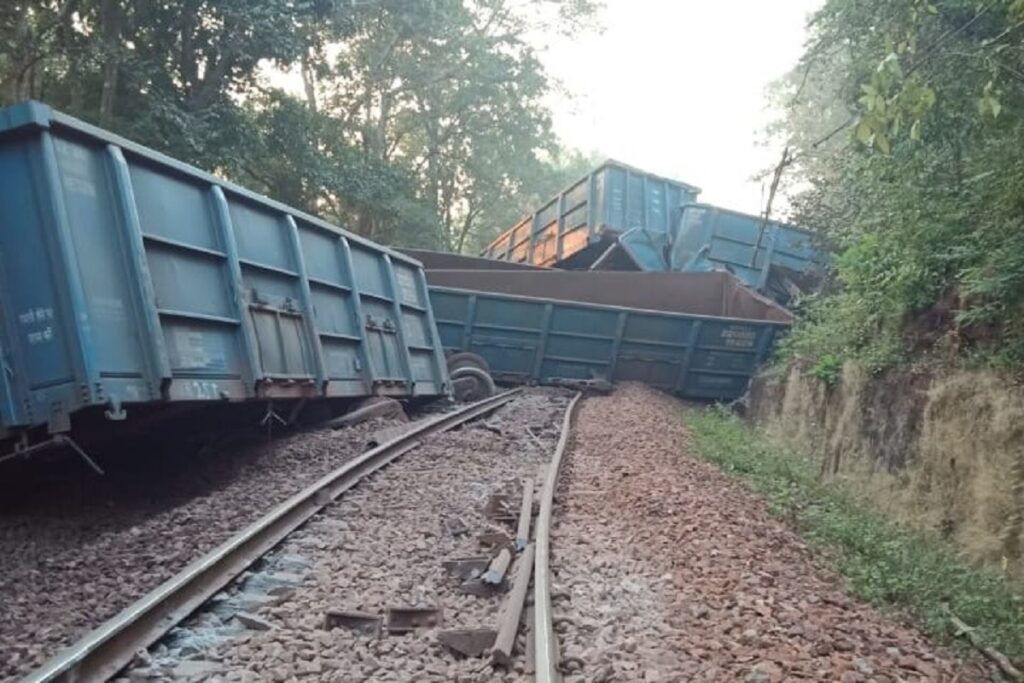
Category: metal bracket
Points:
column 23, row 450
column 60, row 420
column 116, row 411
column 270, row 417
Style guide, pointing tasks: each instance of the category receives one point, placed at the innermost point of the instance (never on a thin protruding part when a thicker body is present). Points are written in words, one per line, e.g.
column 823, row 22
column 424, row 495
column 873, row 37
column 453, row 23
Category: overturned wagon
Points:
column 573, row 229
column 131, row 279
column 701, row 335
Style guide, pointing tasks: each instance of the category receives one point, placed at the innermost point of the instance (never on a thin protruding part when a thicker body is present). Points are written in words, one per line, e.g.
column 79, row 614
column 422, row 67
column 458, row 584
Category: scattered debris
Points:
column 512, row 610
column 498, row 567
column 536, row 439
column 253, row 622
column 378, row 407
column 387, row 434
column 491, row 581
column 1000, row 660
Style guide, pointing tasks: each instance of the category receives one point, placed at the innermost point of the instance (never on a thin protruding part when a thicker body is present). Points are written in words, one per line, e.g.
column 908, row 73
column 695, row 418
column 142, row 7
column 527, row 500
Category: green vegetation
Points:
column 905, row 120
column 883, row 563
column 415, row 123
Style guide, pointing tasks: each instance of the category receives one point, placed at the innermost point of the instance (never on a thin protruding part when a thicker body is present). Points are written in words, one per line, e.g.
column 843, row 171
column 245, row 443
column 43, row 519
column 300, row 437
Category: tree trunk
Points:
column 308, row 80
column 467, row 225
column 110, row 28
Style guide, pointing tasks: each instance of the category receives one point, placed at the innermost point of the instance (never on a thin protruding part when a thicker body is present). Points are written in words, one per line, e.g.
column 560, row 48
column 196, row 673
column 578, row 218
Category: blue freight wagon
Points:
column 129, row 278
column 621, row 218
column 572, row 227
column 774, row 258
column 700, row 335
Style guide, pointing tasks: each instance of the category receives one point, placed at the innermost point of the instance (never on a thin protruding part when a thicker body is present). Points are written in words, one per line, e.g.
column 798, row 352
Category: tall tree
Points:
column 451, row 91
column 413, row 119
column 916, row 169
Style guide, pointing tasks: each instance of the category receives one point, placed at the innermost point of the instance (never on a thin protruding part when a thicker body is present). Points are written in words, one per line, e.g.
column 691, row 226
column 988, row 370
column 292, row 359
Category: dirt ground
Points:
column 671, row 571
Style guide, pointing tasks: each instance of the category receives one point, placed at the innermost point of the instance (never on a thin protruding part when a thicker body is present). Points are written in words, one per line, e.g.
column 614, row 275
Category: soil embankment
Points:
column 945, row 454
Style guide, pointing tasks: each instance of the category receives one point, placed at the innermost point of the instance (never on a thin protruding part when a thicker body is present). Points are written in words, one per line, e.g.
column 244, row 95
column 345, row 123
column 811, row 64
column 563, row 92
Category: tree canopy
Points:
column 415, row 123
column 906, row 119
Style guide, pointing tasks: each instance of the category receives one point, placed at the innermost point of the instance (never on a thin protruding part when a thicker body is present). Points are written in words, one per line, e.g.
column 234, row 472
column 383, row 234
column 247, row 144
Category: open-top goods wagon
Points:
column 571, row 229
column 774, row 258
column 700, row 335
column 621, row 218
column 130, row 278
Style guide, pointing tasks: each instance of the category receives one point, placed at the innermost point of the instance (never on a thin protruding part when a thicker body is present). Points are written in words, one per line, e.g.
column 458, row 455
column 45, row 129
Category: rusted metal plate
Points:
column 481, row 589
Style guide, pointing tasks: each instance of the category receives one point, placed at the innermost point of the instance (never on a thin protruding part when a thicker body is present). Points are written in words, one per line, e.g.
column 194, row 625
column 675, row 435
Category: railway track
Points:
column 108, row 649
column 546, row 664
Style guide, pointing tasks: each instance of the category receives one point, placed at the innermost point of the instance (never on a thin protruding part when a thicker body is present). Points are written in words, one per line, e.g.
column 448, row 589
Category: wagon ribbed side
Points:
column 131, row 278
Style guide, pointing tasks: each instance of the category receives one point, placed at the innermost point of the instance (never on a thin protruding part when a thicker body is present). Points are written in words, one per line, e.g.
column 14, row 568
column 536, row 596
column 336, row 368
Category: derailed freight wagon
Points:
column 131, row 279
column 700, row 335
column 774, row 258
column 622, row 218
column 572, row 229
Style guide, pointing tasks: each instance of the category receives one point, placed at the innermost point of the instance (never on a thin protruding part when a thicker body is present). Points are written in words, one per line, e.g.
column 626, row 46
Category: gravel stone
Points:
column 381, row 545
column 80, row 548
column 664, row 569
column 682, row 571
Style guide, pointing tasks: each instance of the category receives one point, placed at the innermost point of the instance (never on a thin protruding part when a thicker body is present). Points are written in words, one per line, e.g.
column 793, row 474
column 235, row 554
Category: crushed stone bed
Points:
column 675, row 572
column 380, row 545
column 664, row 568
column 67, row 565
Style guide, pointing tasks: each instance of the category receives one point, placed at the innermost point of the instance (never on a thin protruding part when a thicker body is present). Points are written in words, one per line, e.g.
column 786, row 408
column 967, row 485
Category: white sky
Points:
column 677, row 87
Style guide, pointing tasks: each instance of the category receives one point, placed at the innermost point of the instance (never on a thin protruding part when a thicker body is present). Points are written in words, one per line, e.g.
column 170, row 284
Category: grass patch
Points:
column 884, row 564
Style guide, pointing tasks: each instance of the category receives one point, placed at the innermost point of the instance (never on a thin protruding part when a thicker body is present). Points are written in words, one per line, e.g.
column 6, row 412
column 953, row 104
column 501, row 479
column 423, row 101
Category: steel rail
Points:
column 546, row 641
column 104, row 651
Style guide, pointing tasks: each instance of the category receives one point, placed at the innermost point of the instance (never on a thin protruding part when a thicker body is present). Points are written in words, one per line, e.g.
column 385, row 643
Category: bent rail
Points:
column 546, row 641
column 107, row 649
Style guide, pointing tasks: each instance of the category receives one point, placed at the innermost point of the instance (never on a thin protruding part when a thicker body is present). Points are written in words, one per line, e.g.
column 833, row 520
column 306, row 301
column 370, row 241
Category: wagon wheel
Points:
column 471, row 384
column 465, row 359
